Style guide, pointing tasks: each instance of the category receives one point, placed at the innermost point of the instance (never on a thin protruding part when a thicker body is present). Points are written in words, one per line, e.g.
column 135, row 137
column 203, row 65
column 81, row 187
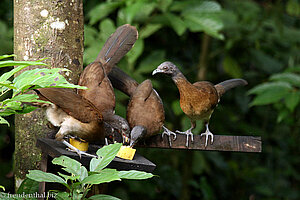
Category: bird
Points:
column 197, row 100
column 100, row 91
column 145, row 112
column 73, row 114
column 89, row 114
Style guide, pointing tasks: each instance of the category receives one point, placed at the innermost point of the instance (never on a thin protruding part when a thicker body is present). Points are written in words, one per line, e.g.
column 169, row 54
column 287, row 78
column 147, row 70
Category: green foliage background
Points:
column 255, row 40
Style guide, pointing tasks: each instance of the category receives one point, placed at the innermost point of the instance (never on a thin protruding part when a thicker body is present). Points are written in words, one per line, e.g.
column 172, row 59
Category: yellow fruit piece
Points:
column 126, row 152
column 82, row 145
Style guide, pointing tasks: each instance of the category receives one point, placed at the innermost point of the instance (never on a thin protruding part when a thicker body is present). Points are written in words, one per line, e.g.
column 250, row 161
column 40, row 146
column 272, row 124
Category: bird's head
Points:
column 166, row 68
column 121, row 127
column 137, row 133
column 124, row 130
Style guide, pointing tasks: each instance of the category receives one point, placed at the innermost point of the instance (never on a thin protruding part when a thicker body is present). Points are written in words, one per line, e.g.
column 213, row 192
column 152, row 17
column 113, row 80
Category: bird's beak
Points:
column 125, row 139
column 157, row 71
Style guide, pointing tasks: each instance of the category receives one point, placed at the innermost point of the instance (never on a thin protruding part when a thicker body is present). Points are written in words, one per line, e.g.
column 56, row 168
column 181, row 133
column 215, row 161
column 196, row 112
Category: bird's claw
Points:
column 74, row 149
column 82, row 153
column 207, row 134
column 187, row 133
column 168, row 133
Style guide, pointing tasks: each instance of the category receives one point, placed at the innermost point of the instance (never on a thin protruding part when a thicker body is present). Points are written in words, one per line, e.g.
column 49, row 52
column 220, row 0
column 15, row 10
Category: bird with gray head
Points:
column 197, row 100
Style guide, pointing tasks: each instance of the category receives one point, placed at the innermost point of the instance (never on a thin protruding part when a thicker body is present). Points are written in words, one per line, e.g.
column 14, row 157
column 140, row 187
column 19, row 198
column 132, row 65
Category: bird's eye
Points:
column 165, row 67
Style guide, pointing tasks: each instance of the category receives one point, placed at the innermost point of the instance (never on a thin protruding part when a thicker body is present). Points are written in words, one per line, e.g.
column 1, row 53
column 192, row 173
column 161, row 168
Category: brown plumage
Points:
column 197, row 100
column 89, row 114
column 71, row 119
column 145, row 111
column 100, row 91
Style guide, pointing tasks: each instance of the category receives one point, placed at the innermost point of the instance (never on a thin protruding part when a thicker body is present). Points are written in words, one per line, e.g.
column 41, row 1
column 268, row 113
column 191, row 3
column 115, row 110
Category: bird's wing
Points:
column 100, row 91
column 71, row 103
column 146, row 109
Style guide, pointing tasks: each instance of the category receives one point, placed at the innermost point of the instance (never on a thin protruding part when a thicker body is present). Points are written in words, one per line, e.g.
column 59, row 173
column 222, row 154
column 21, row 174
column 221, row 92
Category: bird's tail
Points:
column 117, row 45
column 122, row 81
column 229, row 84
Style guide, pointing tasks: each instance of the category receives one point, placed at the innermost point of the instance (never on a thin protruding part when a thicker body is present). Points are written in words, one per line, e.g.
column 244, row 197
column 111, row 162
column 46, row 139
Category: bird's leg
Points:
column 168, row 133
column 206, row 134
column 188, row 133
column 77, row 150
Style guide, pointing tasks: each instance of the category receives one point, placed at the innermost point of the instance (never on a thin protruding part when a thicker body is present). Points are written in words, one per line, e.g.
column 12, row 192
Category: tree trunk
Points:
column 44, row 29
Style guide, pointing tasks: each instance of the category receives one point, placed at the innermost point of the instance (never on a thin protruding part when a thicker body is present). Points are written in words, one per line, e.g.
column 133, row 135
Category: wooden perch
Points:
column 221, row 143
column 55, row 148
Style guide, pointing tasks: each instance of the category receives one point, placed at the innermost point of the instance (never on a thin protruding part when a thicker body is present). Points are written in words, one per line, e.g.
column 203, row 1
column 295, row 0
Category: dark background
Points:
column 261, row 39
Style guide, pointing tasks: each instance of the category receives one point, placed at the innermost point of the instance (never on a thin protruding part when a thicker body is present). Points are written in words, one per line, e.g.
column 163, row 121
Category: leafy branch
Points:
column 23, row 83
column 78, row 181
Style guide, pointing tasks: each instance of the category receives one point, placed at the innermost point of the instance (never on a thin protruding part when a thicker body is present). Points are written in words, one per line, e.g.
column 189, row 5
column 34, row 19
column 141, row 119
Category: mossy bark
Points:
column 44, row 29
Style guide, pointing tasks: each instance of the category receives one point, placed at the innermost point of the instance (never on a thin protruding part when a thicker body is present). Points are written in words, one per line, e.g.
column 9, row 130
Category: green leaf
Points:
column 43, row 77
column 104, row 176
column 26, row 109
column 209, row 23
column 292, row 78
column 265, row 62
column 10, row 63
column 163, row 5
column 8, row 85
column 136, row 51
column 28, row 186
column 62, row 196
column 103, row 197
column 2, row 187
column 293, row 8
column 282, row 115
column 41, row 176
column 72, row 166
column 25, row 98
column 107, row 27
column 149, row 29
column 6, row 56
column 270, row 96
column 292, row 100
column 134, row 174
column 149, row 63
column 105, row 155
column 90, row 35
column 195, row 6
column 12, row 105
column 3, row 121
column 68, row 177
column 264, row 87
column 131, row 10
column 102, row 10
column 231, row 67
column 143, row 14
column 176, row 23
column 9, row 74
column 203, row 7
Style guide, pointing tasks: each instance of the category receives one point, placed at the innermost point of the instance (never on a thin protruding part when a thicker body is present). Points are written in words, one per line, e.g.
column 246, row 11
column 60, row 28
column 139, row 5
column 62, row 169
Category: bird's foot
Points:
column 74, row 149
column 169, row 134
column 207, row 134
column 187, row 133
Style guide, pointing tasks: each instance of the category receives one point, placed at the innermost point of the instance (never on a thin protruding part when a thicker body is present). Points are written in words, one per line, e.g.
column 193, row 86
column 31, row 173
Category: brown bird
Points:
column 100, row 91
column 145, row 111
column 74, row 114
column 89, row 114
column 197, row 100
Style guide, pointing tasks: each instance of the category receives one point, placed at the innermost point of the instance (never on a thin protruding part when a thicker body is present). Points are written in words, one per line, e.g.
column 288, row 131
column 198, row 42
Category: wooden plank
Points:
column 55, row 148
column 221, row 143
